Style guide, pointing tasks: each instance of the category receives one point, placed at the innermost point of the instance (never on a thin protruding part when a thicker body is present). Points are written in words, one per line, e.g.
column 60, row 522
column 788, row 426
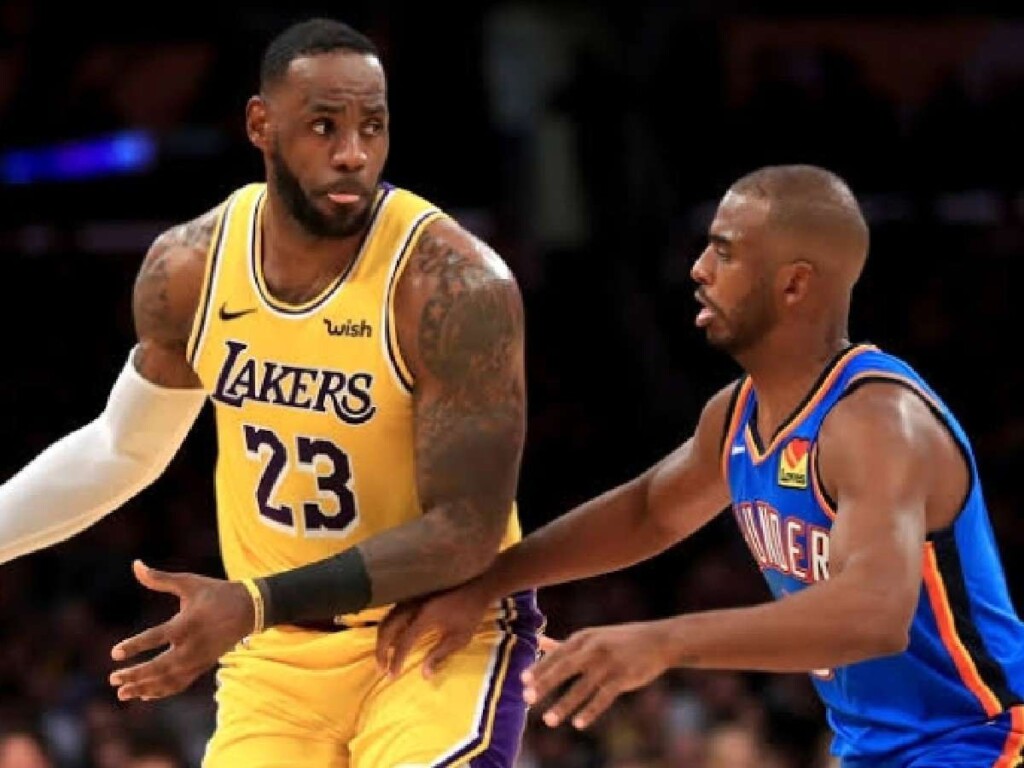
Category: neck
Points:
column 783, row 374
column 296, row 265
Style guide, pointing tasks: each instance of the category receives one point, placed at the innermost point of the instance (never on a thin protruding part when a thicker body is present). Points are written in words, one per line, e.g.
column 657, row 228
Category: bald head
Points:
column 817, row 208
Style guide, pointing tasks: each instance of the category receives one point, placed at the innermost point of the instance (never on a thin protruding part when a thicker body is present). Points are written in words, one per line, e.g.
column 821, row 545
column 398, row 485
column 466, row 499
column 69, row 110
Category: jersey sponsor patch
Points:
column 793, row 463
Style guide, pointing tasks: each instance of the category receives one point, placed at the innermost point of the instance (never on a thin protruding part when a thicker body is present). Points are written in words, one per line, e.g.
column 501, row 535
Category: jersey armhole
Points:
column 201, row 320
column 737, row 404
column 393, row 351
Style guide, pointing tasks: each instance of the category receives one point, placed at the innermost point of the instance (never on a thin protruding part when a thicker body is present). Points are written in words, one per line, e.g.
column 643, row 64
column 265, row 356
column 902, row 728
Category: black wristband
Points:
column 316, row 592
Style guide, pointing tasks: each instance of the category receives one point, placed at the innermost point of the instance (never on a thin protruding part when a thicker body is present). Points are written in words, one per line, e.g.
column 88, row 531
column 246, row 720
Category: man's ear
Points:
column 256, row 122
column 796, row 280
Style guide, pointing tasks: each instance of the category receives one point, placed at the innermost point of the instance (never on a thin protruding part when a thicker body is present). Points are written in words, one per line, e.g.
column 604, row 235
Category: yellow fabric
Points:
column 313, row 404
column 290, row 698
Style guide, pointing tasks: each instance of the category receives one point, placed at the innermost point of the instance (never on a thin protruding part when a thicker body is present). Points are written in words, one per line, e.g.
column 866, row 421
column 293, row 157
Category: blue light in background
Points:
column 115, row 154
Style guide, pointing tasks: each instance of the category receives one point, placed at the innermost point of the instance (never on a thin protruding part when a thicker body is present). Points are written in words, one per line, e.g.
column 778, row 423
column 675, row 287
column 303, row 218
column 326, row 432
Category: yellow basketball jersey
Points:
column 313, row 402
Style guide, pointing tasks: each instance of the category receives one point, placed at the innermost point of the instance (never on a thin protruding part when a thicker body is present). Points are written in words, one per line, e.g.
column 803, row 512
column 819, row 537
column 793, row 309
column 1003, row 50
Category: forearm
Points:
column 607, row 533
column 94, row 470
column 437, row 550
column 831, row 624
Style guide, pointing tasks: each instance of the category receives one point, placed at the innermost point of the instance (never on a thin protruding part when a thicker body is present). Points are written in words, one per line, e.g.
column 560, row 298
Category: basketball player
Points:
column 854, row 486
column 364, row 357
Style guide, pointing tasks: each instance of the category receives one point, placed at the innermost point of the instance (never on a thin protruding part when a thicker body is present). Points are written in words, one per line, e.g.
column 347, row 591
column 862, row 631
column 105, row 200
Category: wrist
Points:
column 499, row 581
column 319, row 591
column 668, row 643
column 258, row 603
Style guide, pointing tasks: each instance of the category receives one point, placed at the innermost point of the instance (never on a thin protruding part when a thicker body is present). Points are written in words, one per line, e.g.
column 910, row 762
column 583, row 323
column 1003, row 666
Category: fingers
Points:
column 147, row 640
column 579, row 693
column 444, row 648
column 159, row 581
column 388, row 632
column 603, row 697
column 590, row 693
column 161, row 676
column 556, row 667
column 547, row 644
column 403, row 643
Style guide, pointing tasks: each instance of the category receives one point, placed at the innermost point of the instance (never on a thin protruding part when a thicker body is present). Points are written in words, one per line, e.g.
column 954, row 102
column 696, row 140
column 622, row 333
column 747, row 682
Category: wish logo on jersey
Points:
column 793, row 463
column 244, row 377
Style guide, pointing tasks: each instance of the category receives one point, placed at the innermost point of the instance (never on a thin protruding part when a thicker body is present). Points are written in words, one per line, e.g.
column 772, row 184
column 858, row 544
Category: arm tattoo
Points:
column 165, row 295
column 470, row 337
column 470, row 426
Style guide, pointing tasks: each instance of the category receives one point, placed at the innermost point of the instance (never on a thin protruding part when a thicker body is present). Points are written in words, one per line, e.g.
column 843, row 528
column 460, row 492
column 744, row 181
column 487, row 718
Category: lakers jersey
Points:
column 312, row 401
column 964, row 665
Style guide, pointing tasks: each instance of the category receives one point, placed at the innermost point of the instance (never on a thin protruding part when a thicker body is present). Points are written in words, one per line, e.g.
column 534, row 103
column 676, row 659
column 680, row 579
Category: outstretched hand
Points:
column 596, row 665
column 213, row 615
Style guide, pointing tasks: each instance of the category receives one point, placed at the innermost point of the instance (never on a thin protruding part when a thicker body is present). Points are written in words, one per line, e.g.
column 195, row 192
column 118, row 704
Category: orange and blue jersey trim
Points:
column 821, row 389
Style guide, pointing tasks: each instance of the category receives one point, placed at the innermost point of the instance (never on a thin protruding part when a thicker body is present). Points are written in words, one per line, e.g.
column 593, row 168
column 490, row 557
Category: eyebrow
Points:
column 320, row 107
column 719, row 239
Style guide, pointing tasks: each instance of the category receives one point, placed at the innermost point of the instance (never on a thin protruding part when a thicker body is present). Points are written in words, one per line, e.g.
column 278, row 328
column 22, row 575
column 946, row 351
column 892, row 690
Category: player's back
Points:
column 313, row 401
column 963, row 671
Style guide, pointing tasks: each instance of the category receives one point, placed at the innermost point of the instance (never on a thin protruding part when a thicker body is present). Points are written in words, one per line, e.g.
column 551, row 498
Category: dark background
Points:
column 589, row 143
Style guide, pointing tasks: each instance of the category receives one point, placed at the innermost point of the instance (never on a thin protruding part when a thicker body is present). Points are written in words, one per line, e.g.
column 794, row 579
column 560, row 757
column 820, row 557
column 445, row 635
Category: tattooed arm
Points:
column 165, row 300
column 459, row 318
column 95, row 469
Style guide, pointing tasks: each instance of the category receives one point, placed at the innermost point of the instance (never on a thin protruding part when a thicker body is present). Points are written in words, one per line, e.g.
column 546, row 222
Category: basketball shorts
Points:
column 293, row 697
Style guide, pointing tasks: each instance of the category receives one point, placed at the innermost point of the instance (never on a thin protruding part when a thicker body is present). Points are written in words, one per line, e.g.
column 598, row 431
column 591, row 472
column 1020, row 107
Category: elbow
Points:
column 885, row 641
column 478, row 559
column 882, row 628
column 661, row 522
column 473, row 555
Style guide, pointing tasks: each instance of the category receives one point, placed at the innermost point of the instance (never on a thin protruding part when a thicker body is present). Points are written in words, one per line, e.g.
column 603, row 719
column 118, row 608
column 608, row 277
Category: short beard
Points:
column 756, row 319
column 298, row 204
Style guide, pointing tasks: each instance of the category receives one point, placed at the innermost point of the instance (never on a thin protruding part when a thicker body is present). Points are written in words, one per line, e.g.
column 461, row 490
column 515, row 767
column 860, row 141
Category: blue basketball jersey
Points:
column 964, row 666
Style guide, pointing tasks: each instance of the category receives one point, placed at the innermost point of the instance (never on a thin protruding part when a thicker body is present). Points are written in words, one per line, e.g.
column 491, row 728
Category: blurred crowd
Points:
column 590, row 146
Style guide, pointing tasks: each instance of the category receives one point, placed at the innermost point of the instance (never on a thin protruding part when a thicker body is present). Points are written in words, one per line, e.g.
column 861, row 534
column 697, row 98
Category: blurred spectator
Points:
column 23, row 747
column 590, row 138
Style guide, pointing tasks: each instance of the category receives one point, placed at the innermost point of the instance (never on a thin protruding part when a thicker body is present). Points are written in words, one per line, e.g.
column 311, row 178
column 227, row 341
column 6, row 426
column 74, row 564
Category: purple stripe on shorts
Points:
column 509, row 711
column 505, row 712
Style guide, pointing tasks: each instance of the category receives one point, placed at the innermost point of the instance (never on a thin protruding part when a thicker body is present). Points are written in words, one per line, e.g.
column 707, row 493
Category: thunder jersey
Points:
column 965, row 661
column 312, row 401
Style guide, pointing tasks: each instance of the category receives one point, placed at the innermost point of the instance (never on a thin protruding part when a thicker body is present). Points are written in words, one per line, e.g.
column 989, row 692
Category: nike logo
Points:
column 226, row 315
column 737, row 450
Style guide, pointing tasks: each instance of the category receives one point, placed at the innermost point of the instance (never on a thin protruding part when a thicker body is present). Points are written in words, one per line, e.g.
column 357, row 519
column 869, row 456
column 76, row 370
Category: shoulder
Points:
column 716, row 415
column 446, row 249
column 882, row 406
column 456, row 298
column 170, row 278
column 884, row 431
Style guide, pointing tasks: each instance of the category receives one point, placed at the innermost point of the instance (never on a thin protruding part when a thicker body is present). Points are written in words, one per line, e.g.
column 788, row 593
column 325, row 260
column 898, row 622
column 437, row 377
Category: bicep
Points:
column 687, row 488
column 876, row 453
column 164, row 301
column 461, row 327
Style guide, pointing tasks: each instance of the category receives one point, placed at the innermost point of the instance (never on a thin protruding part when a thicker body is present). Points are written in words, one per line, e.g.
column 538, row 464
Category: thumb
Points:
column 388, row 631
column 547, row 644
column 158, row 581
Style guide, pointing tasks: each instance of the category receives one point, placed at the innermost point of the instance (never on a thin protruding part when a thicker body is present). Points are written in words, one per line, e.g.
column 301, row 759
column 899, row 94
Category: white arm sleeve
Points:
column 96, row 469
